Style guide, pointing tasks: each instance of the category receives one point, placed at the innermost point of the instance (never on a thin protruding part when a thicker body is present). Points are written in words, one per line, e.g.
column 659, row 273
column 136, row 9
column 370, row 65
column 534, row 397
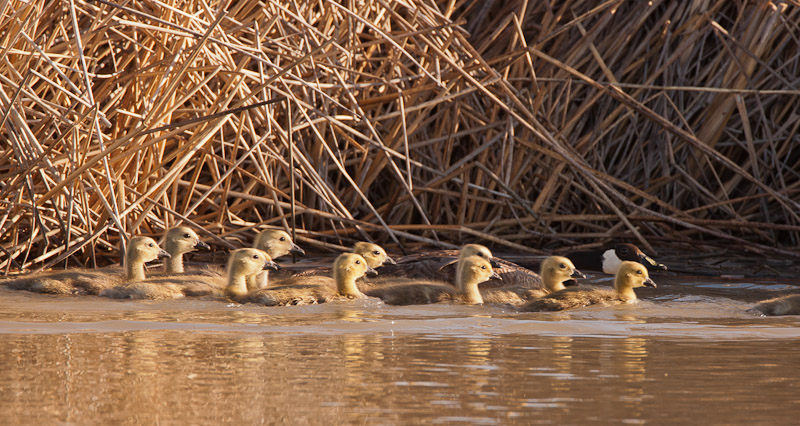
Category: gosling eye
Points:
column 358, row 262
column 562, row 266
column 283, row 238
column 187, row 236
column 255, row 256
column 376, row 253
column 151, row 245
column 639, row 272
column 483, row 266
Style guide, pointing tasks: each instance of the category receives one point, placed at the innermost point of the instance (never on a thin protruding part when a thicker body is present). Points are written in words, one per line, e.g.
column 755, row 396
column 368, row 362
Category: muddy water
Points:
column 687, row 353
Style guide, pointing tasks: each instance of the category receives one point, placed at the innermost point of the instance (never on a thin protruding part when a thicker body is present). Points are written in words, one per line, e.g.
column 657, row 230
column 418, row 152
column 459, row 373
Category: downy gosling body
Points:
column 472, row 271
column 93, row 282
column 241, row 264
column 784, row 305
column 555, row 271
column 347, row 268
column 443, row 266
column 630, row 275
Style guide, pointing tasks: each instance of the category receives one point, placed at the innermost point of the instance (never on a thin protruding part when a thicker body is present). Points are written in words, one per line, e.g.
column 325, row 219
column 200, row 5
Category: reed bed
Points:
column 526, row 125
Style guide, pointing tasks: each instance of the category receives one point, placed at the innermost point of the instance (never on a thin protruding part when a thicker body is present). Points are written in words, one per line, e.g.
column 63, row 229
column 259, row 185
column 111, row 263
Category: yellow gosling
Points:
column 303, row 290
column 630, row 275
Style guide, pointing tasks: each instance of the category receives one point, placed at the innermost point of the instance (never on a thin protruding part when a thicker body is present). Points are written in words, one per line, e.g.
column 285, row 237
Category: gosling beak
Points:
column 577, row 274
column 271, row 265
column 496, row 276
column 371, row 271
column 650, row 283
column 650, row 263
column 163, row 254
column 390, row 261
column 494, row 263
column 297, row 250
column 201, row 245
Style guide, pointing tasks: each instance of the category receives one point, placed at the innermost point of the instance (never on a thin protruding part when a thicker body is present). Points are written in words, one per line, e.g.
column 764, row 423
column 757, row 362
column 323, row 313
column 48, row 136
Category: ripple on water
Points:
column 679, row 356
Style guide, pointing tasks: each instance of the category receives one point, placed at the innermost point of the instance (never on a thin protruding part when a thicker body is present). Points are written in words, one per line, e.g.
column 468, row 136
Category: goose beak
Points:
column 494, row 263
column 271, row 265
column 577, row 274
column 390, row 261
column 163, row 254
column 650, row 263
column 650, row 283
column 297, row 250
column 371, row 271
column 496, row 276
column 201, row 245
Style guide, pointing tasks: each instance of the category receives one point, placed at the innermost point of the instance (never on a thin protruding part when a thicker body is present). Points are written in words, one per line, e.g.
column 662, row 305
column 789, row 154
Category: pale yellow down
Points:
column 630, row 275
column 177, row 242
column 301, row 290
column 472, row 271
column 276, row 243
column 241, row 263
column 374, row 254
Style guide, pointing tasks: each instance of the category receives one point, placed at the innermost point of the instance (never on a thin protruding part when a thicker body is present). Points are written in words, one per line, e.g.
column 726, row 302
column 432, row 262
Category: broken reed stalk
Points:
column 529, row 125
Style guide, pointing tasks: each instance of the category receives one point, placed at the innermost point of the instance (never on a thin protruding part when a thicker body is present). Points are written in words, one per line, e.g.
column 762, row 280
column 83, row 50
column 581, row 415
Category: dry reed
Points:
column 529, row 125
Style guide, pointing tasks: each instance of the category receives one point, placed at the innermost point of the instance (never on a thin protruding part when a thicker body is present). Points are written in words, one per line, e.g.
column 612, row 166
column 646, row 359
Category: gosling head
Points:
column 475, row 250
column 347, row 268
column 248, row 261
column 555, row 270
column 633, row 275
column 478, row 269
column 629, row 276
column 374, row 254
column 143, row 250
column 276, row 243
column 242, row 264
column 182, row 239
column 474, row 270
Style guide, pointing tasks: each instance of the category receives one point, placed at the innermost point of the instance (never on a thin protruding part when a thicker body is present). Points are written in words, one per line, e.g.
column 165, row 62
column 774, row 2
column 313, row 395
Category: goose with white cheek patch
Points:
column 608, row 259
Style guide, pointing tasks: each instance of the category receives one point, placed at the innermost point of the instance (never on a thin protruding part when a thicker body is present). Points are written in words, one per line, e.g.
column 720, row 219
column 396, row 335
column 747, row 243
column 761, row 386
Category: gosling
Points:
column 275, row 243
column 473, row 270
column 785, row 305
column 93, row 282
column 374, row 254
column 555, row 271
column 177, row 242
column 241, row 264
column 347, row 268
column 629, row 276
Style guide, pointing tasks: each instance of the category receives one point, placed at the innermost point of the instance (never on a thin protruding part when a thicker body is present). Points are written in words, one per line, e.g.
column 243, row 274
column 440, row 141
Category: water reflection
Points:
column 191, row 377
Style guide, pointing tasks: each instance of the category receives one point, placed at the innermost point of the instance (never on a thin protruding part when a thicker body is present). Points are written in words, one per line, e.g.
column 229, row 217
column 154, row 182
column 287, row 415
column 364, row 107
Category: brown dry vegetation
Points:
column 529, row 125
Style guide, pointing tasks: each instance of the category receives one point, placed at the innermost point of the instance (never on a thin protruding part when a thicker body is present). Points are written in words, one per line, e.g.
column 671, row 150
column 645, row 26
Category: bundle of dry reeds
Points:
column 521, row 124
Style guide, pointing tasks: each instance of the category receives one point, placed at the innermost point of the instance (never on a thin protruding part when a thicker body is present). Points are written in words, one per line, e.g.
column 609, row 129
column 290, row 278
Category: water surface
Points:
column 687, row 353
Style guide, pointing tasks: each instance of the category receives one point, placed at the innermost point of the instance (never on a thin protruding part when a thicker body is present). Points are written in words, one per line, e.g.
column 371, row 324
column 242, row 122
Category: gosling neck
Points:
column 174, row 264
column 552, row 282
column 237, row 282
column 258, row 280
column 468, row 287
column 134, row 268
column 346, row 284
column 625, row 290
